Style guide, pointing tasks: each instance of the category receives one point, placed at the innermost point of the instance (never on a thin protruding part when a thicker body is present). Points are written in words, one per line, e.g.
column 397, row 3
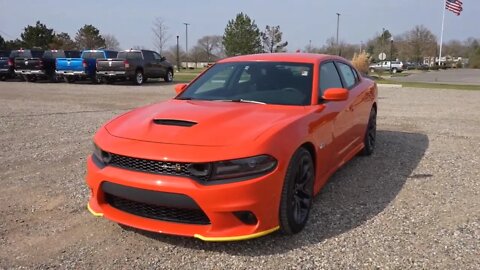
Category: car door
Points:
column 160, row 67
column 149, row 68
column 340, row 113
column 351, row 81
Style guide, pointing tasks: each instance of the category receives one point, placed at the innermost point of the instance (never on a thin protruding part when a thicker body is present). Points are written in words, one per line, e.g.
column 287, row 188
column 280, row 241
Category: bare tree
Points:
column 160, row 34
column 417, row 43
column 272, row 39
column 211, row 46
column 111, row 42
column 171, row 54
column 139, row 47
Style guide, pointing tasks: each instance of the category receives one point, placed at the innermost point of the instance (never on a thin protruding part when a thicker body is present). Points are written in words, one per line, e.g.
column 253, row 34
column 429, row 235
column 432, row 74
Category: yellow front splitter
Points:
column 235, row 238
column 93, row 212
column 211, row 239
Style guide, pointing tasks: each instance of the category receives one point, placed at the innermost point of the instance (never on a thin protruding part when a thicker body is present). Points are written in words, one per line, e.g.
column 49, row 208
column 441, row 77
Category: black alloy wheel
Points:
column 297, row 193
column 370, row 134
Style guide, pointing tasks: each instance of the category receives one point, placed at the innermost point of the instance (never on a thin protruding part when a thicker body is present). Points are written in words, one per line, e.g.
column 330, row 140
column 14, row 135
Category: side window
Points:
column 148, row 55
column 329, row 77
column 156, row 56
column 347, row 75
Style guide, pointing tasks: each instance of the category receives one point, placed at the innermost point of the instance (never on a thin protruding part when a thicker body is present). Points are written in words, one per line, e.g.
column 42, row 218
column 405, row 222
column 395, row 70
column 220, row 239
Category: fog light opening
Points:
column 246, row 217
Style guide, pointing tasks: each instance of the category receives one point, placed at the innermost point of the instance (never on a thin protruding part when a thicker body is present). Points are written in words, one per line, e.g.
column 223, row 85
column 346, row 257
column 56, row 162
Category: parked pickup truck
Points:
column 28, row 64
column 392, row 66
column 6, row 66
column 43, row 67
column 83, row 67
column 135, row 65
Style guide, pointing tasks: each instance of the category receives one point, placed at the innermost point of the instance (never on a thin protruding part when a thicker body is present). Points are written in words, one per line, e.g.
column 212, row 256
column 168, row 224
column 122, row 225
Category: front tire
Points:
column 169, row 76
column 297, row 193
column 370, row 134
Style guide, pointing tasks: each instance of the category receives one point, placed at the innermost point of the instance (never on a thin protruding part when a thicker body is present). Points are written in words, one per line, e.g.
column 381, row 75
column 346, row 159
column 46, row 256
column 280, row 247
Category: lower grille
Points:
column 157, row 212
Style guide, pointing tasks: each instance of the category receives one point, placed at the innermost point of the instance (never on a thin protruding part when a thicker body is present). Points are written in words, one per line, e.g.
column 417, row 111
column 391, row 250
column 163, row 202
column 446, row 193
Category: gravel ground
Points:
column 414, row 204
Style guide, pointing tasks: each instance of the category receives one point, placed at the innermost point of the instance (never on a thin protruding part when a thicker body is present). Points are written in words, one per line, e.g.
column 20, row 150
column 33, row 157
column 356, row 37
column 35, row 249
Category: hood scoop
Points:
column 174, row 122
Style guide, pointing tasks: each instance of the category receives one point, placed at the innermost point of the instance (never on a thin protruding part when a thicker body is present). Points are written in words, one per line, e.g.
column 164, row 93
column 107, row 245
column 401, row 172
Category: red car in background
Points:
column 239, row 153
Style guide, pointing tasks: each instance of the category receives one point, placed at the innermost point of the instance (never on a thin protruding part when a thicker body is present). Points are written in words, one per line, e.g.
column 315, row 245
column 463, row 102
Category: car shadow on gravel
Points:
column 356, row 193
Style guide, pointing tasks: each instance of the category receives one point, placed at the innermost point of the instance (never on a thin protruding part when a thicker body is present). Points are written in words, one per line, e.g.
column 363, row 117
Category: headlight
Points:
column 237, row 168
column 101, row 155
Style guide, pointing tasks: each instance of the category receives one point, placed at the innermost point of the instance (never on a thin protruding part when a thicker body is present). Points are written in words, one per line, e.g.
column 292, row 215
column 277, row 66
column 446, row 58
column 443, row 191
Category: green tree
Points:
column 88, row 37
column 272, row 39
column 62, row 41
column 2, row 42
column 382, row 43
column 242, row 36
column 14, row 44
column 38, row 36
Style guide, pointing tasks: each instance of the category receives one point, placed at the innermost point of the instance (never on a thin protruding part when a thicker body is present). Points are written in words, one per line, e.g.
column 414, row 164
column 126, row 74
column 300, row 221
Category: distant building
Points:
column 448, row 59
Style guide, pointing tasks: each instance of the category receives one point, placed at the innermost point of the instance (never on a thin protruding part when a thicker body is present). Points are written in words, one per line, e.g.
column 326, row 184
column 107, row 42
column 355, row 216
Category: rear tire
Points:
column 138, row 79
column 394, row 70
column 169, row 76
column 297, row 193
column 370, row 134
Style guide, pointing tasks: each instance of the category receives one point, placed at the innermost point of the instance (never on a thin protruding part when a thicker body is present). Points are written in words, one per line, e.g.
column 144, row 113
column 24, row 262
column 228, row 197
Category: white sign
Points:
column 382, row 56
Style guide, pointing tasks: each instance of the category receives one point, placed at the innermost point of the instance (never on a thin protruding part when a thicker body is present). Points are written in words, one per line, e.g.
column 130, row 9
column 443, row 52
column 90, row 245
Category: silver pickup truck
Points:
column 393, row 66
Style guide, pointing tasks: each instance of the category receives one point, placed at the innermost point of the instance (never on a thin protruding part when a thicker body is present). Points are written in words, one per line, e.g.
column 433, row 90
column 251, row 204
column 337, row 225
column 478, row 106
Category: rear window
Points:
column 130, row 55
column 95, row 55
column 54, row 54
column 72, row 54
column 21, row 54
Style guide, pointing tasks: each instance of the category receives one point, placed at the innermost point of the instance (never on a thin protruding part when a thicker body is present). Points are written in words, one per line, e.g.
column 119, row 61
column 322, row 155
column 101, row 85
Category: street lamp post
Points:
column 186, row 38
column 178, row 56
column 391, row 53
column 338, row 30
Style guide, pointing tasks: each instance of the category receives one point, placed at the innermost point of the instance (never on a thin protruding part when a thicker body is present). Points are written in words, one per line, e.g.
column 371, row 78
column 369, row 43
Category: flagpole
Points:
column 441, row 36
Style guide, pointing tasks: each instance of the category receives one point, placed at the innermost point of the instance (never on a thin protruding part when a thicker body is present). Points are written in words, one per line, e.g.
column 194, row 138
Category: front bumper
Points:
column 260, row 195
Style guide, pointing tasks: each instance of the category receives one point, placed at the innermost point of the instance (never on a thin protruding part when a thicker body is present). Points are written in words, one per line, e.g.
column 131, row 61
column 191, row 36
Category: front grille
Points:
column 152, row 166
column 157, row 212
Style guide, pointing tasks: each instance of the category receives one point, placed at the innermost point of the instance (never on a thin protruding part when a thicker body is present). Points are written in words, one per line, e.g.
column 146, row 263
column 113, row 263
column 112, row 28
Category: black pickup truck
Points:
column 135, row 65
column 41, row 64
column 6, row 66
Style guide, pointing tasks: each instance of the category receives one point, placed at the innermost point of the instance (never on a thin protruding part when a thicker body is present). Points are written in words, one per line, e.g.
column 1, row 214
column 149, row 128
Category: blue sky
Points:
column 301, row 21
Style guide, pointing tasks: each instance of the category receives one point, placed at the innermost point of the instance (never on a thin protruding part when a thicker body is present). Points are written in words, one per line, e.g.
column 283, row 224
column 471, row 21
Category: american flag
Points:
column 454, row 6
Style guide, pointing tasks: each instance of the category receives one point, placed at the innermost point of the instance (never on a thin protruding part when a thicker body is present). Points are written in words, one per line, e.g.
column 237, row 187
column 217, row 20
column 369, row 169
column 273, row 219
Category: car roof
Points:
column 283, row 57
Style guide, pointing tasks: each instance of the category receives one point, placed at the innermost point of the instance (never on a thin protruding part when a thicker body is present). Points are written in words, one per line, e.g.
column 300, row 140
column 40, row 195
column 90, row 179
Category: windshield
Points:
column 95, row 55
column 260, row 82
column 129, row 55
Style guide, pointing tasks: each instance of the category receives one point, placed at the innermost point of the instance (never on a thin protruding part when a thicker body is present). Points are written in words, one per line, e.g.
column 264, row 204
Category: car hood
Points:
column 201, row 123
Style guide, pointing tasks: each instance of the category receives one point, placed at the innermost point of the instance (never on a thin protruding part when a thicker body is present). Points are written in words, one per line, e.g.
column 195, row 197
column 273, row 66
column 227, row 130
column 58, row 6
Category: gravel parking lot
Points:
column 414, row 204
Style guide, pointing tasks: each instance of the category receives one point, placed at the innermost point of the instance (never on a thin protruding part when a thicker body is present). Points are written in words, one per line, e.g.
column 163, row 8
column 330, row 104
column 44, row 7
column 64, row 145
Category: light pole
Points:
column 338, row 30
column 178, row 56
column 391, row 53
column 186, row 37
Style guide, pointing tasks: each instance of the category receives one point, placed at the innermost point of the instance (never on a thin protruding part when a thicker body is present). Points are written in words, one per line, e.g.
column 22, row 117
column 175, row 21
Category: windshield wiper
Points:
column 241, row 101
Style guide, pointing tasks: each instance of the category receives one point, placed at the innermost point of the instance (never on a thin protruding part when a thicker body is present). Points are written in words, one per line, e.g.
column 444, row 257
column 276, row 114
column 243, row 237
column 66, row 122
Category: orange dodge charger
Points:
column 240, row 152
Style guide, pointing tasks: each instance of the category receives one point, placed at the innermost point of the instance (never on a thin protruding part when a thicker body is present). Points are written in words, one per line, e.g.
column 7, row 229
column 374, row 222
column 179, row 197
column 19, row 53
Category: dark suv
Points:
column 135, row 65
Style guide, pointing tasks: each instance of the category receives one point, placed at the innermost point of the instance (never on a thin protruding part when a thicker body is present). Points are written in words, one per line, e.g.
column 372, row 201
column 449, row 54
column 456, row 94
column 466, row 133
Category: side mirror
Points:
column 335, row 94
column 163, row 58
column 180, row 87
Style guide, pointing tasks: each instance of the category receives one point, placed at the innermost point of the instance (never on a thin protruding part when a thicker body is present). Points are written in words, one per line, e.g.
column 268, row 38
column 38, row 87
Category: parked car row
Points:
column 95, row 65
